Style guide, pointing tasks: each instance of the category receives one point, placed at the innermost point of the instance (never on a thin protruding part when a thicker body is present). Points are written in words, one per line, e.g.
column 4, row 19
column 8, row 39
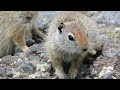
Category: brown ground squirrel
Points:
column 68, row 41
column 13, row 26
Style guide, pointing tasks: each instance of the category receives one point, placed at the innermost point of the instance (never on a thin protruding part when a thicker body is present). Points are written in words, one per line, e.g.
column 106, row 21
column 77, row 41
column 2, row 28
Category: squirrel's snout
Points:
column 85, row 49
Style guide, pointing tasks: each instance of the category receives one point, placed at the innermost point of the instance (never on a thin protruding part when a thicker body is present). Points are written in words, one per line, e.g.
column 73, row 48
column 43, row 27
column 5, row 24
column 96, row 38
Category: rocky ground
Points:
column 35, row 63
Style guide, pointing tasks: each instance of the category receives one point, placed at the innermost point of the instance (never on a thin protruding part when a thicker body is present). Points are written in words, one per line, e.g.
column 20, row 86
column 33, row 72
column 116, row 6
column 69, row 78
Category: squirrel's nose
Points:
column 85, row 49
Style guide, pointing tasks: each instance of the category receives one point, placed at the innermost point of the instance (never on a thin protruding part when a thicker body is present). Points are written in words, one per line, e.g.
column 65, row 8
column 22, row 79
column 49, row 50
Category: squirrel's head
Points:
column 72, row 37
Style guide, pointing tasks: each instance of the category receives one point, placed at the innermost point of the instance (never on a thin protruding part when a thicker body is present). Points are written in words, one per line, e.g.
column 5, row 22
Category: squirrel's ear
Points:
column 60, row 27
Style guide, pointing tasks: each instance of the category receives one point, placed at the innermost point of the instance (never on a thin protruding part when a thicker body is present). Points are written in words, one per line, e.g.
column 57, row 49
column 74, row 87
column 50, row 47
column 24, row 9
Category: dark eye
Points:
column 71, row 37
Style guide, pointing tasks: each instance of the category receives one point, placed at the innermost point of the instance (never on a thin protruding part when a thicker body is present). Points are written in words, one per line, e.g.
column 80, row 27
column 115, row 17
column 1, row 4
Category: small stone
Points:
column 9, row 73
column 42, row 67
column 118, row 54
column 108, row 75
column 2, row 71
column 30, row 42
column 110, row 51
column 8, row 59
column 26, row 68
column 105, row 71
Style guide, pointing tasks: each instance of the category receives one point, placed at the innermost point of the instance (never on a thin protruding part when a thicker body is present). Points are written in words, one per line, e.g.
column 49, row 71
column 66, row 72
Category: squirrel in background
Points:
column 13, row 28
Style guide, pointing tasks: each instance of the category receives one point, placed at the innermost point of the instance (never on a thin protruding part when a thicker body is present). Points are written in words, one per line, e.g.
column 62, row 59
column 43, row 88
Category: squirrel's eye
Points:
column 71, row 37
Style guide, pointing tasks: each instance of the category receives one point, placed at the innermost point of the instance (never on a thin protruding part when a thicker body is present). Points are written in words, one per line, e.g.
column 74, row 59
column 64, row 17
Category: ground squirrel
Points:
column 13, row 26
column 68, row 41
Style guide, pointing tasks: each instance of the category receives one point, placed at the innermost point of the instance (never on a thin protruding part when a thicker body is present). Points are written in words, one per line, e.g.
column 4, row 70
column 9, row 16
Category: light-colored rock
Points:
column 109, row 17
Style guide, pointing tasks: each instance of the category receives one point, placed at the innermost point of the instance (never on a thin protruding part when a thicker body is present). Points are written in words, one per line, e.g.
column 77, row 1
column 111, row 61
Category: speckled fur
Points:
column 60, row 49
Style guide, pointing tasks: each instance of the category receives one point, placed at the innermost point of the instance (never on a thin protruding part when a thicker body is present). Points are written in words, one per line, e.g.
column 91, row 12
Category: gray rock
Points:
column 2, row 71
column 8, row 59
column 111, row 49
column 108, row 53
column 30, row 42
column 26, row 68
column 9, row 72
column 109, row 17
column 38, row 48
column 118, row 54
column 108, row 75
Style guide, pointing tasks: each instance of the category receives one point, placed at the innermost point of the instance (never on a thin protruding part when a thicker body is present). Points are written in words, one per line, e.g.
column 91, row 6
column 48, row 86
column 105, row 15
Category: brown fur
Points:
column 13, row 26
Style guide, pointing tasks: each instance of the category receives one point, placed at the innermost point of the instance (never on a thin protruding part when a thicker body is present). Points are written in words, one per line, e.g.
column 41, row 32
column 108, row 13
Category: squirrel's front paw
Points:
column 91, row 51
column 61, row 75
column 72, row 73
